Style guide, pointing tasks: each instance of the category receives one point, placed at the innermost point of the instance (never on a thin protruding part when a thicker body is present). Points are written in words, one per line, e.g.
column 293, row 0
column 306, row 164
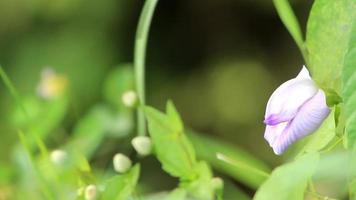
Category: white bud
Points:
column 142, row 145
column 91, row 192
column 129, row 98
column 58, row 156
column 121, row 163
column 217, row 183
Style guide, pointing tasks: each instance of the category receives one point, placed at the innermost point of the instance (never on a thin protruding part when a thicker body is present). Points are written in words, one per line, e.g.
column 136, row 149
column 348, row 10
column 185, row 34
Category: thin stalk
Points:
column 139, row 59
column 12, row 90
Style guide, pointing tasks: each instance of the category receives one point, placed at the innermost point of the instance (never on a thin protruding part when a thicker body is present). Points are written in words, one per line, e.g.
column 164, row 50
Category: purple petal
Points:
column 273, row 132
column 308, row 119
column 285, row 101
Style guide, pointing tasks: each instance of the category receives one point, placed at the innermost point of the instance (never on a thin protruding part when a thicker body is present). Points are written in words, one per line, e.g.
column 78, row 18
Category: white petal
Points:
column 304, row 73
column 289, row 97
column 273, row 132
column 308, row 119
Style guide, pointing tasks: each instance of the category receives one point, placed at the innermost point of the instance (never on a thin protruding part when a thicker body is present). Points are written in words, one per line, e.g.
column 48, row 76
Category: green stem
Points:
column 139, row 59
column 12, row 90
column 230, row 161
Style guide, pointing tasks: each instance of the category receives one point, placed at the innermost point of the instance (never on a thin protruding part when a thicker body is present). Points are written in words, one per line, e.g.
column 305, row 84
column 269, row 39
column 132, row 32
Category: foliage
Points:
column 62, row 148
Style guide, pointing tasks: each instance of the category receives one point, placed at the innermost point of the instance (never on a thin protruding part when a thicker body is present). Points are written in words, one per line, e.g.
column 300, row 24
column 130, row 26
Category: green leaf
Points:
column 349, row 80
column 174, row 117
column 289, row 181
column 348, row 94
column 92, row 128
column 31, row 165
column 120, row 187
column 327, row 39
column 289, row 19
column 43, row 118
column 201, row 188
column 321, row 137
column 249, row 168
column 173, row 149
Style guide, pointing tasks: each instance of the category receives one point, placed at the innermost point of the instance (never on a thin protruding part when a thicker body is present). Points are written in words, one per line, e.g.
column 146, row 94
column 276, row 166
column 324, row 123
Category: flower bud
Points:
column 91, row 192
column 121, row 163
column 217, row 183
column 129, row 98
column 142, row 145
column 58, row 156
column 295, row 109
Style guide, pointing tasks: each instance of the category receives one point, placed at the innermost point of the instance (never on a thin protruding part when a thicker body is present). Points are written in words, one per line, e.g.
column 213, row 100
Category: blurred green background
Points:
column 218, row 60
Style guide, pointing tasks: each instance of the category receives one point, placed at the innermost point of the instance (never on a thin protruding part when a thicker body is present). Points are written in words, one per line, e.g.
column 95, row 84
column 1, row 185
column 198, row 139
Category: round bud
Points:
column 142, row 145
column 121, row 163
column 217, row 183
column 58, row 156
column 129, row 98
column 91, row 192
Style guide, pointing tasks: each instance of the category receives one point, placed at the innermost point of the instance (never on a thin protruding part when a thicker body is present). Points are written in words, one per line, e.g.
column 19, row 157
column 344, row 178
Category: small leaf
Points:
column 289, row 181
column 172, row 147
column 348, row 94
column 120, row 187
column 321, row 137
column 201, row 188
column 174, row 117
column 289, row 19
column 328, row 34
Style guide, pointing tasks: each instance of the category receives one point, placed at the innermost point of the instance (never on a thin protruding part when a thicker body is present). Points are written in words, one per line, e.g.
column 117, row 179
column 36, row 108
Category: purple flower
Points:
column 296, row 109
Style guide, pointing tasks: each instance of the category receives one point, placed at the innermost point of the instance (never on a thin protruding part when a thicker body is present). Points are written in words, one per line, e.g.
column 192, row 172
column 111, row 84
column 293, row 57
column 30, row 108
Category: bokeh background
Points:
column 218, row 60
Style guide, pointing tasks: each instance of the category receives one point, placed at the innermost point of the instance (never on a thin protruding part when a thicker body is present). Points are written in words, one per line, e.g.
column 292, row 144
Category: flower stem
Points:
column 10, row 86
column 139, row 59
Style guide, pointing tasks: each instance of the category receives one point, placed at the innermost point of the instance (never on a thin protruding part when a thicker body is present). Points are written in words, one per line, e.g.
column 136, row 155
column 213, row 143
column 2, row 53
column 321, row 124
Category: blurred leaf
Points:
column 321, row 137
column 121, row 187
column 327, row 39
column 119, row 80
column 171, row 145
column 208, row 147
column 177, row 194
column 44, row 118
column 232, row 191
column 43, row 185
column 289, row 181
column 6, row 173
column 92, row 128
column 330, row 164
column 348, row 93
column 289, row 19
